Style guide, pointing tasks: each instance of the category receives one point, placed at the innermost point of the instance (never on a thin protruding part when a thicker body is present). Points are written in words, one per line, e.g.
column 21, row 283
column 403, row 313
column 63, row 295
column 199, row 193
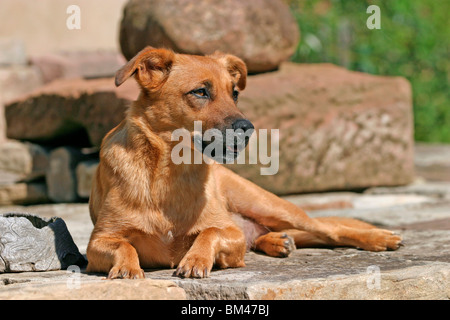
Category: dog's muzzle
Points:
column 225, row 145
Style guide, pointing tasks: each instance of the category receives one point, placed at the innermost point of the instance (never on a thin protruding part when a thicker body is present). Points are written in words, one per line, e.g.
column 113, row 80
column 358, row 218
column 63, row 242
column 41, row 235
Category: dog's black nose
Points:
column 242, row 124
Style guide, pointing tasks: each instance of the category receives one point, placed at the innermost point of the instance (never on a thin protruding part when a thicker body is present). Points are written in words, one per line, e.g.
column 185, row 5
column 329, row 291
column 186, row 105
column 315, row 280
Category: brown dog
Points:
column 150, row 212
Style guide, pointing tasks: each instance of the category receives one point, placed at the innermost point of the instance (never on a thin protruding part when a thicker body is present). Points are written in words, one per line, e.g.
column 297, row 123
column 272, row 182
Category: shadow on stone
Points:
column 31, row 243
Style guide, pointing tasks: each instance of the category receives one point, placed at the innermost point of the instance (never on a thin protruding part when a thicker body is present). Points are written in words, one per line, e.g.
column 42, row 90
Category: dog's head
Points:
column 179, row 90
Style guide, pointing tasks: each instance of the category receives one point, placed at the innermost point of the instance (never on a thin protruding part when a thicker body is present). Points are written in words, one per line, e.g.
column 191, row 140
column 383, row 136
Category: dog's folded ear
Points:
column 150, row 67
column 235, row 66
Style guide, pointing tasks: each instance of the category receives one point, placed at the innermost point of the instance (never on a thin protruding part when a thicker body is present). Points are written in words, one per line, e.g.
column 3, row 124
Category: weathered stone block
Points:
column 12, row 52
column 78, row 64
column 15, row 81
column 338, row 129
column 27, row 160
column 123, row 289
column 432, row 161
column 23, row 193
column 263, row 33
column 70, row 111
column 18, row 80
column 60, row 176
column 85, row 174
column 31, row 243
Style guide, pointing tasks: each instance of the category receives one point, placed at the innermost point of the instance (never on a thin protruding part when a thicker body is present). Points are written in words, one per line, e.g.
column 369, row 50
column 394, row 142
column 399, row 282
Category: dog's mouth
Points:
column 222, row 147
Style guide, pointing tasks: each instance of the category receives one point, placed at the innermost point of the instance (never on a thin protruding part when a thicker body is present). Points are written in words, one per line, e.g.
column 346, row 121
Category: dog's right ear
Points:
column 150, row 67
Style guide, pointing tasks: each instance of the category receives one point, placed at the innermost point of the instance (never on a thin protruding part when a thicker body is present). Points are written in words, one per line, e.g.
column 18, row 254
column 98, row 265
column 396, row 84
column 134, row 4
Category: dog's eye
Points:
column 235, row 95
column 201, row 93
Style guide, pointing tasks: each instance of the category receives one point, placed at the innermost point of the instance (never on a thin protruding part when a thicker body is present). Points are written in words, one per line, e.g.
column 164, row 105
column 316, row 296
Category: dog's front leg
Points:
column 223, row 247
column 114, row 256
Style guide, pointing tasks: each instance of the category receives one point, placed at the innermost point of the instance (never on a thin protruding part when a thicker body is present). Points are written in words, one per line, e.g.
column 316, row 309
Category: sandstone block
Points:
column 23, row 193
column 60, row 176
column 78, row 64
column 18, row 80
column 71, row 111
column 27, row 160
column 31, row 243
column 85, row 174
column 262, row 32
column 142, row 289
column 338, row 129
column 12, row 52
column 432, row 161
column 15, row 80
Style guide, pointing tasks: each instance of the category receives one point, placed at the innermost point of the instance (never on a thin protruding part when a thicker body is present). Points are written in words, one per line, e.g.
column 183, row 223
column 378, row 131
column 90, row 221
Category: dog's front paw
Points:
column 126, row 272
column 194, row 266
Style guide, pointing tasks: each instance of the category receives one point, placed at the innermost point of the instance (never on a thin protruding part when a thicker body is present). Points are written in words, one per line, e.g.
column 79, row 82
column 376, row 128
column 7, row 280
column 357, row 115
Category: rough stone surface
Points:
column 326, row 274
column 8, row 178
column 338, row 129
column 418, row 270
column 78, row 64
column 432, row 161
column 15, row 81
column 18, row 80
column 31, row 243
column 85, row 174
column 438, row 189
column 12, row 52
column 71, row 111
column 61, row 175
column 262, row 32
column 23, row 193
column 75, row 215
column 28, row 161
column 70, row 289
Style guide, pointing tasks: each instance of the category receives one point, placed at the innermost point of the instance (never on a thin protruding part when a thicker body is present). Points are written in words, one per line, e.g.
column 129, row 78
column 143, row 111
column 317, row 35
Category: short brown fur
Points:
column 149, row 212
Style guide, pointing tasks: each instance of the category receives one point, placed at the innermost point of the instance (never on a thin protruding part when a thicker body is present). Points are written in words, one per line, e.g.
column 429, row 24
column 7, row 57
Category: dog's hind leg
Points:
column 304, row 239
column 277, row 214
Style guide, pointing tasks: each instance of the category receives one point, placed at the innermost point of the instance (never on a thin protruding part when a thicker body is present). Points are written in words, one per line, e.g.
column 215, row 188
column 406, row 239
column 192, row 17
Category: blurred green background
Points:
column 413, row 42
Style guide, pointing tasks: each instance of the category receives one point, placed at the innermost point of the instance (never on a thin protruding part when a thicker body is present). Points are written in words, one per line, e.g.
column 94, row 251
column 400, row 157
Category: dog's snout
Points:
column 242, row 124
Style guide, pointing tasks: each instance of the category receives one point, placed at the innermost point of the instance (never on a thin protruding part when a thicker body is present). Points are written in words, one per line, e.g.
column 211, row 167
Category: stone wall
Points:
column 338, row 130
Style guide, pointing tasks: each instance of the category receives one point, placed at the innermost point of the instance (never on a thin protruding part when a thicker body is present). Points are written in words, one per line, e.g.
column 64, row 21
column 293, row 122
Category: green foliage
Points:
column 413, row 42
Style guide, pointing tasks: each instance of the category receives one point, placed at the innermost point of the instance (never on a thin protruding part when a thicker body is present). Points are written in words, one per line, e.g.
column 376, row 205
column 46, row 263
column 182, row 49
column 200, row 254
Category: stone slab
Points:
column 69, row 111
column 60, row 175
column 341, row 273
column 15, row 80
column 263, row 33
column 75, row 215
column 78, row 64
column 27, row 160
column 85, row 175
column 23, row 193
column 71, row 288
column 338, row 129
column 418, row 270
column 31, row 243
column 12, row 52
column 432, row 161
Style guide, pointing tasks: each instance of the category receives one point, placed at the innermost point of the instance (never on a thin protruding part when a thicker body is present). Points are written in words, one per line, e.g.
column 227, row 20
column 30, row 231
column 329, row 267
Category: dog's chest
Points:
column 168, row 238
column 161, row 249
